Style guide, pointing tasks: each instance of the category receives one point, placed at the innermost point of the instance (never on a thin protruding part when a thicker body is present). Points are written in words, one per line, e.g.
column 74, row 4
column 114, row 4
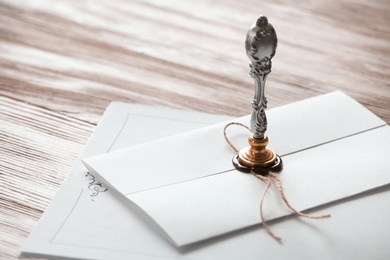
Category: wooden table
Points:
column 63, row 62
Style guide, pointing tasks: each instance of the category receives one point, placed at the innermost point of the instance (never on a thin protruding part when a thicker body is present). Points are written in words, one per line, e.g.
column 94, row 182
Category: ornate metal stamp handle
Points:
column 260, row 45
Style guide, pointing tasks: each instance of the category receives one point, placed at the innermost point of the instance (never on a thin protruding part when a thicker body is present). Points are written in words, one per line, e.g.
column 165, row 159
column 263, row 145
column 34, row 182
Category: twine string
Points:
column 281, row 192
column 227, row 139
column 268, row 182
column 268, row 179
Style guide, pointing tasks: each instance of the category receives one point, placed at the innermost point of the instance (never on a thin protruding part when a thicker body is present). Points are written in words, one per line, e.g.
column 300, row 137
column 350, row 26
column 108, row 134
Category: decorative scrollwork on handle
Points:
column 260, row 44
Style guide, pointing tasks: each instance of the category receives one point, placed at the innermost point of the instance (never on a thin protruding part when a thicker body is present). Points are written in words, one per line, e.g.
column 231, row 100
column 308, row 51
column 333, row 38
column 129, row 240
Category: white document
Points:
column 332, row 148
column 82, row 223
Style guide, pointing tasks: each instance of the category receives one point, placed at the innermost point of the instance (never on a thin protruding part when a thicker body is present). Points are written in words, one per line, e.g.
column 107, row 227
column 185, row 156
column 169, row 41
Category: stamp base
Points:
column 276, row 167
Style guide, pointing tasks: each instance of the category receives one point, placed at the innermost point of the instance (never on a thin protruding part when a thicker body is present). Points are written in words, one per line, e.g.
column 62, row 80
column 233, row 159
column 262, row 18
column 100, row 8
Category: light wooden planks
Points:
column 62, row 62
column 142, row 51
column 38, row 148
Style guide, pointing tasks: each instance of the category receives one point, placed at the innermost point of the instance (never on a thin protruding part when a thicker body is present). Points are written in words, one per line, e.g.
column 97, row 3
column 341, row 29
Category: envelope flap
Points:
column 183, row 157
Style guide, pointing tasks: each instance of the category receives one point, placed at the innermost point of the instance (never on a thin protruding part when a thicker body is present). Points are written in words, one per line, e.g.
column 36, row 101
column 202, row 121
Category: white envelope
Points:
column 332, row 148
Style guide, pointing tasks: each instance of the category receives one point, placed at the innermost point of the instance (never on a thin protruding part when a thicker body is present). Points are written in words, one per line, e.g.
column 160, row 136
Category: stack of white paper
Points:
column 185, row 188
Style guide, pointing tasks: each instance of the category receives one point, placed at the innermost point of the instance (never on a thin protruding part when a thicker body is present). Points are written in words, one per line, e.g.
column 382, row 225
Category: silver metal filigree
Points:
column 260, row 44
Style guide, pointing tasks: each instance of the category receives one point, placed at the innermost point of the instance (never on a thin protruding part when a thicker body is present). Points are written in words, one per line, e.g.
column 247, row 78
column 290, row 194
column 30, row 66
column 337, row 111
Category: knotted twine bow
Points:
column 268, row 179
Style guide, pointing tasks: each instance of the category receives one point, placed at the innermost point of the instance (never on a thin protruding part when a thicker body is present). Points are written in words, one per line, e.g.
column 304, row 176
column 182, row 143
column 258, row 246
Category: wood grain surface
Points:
column 63, row 62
